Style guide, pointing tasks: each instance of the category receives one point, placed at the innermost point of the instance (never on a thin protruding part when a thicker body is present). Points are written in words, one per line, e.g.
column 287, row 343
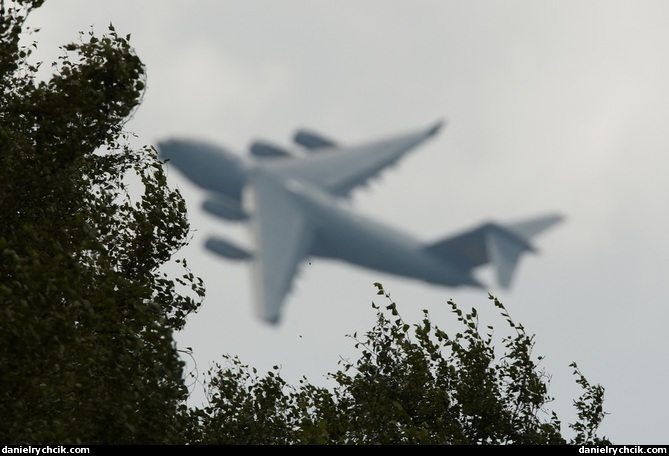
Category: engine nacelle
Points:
column 262, row 150
column 226, row 208
column 313, row 141
column 227, row 249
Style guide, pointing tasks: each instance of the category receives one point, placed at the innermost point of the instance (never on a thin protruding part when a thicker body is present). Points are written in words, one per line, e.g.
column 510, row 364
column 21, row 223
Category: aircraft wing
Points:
column 282, row 238
column 347, row 168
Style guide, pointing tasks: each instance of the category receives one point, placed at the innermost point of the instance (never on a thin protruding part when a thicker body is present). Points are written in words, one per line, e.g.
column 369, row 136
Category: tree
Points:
column 413, row 384
column 87, row 315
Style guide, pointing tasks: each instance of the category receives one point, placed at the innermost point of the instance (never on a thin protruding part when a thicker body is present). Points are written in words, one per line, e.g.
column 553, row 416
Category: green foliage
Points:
column 412, row 384
column 590, row 411
column 86, row 316
column 248, row 409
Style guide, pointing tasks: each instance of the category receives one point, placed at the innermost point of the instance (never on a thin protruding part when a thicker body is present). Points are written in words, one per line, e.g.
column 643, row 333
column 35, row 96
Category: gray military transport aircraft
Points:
column 293, row 203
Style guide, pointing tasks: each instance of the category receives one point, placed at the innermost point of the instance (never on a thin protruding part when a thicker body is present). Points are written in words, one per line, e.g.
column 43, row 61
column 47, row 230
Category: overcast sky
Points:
column 551, row 106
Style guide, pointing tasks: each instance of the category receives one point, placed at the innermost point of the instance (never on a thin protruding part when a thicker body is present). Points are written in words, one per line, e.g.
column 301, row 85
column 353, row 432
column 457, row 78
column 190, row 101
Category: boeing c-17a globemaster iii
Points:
column 293, row 203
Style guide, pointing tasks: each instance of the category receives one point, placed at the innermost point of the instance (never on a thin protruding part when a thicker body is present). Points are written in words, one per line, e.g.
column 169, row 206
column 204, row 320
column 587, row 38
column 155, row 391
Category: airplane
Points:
column 295, row 203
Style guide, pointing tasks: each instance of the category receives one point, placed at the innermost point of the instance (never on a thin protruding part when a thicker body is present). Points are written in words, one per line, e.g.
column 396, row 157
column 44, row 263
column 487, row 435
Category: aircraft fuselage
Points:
column 343, row 234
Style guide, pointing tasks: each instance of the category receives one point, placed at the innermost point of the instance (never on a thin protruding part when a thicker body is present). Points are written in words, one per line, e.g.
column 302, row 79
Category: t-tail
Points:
column 499, row 245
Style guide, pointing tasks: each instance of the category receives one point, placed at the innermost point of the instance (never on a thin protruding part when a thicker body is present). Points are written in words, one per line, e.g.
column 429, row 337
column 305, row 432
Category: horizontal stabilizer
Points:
column 225, row 208
column 312, row 141
column 263, row 150
column 530, row 228
column 499, row 245
column 227, row 249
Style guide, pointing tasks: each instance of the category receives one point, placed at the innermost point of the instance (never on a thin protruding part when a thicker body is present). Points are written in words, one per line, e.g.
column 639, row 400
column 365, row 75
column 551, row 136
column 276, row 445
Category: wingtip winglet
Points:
column 434, row 129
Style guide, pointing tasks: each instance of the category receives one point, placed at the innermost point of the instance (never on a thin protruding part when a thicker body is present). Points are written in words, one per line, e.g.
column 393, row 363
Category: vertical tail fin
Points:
column 506, row 244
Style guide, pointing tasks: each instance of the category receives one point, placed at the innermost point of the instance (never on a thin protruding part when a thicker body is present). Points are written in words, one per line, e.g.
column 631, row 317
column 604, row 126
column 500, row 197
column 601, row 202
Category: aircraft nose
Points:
column 167, row 150
column 178, row 153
